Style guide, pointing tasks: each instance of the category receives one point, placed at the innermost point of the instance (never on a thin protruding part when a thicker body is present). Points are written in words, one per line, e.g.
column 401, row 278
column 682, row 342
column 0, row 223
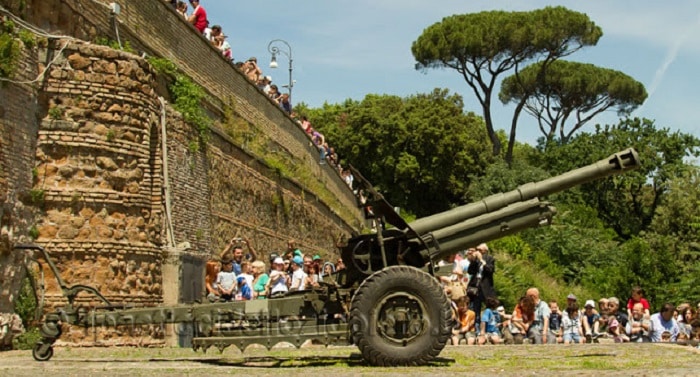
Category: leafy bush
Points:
column 25, row 307
column 27, row 340
column 9, row 54
column 26, row 303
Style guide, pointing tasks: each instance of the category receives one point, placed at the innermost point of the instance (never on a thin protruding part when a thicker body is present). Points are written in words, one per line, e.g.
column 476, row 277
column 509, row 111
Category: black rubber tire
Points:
column 41, row 356
column 421, row 349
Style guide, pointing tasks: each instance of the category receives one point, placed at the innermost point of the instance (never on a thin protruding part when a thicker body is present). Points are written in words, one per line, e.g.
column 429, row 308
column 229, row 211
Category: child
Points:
column 489, row 323
column 226, row 280
column 464, row 324
column 312, row 276
column 555, row 317
column 571, row 325
column 244, row 291
column 614, row 328
column 637, row 297
column 503, row 323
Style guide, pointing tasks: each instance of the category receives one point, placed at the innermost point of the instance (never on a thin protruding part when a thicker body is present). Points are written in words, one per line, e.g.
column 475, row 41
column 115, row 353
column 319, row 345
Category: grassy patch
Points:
column 282, row 164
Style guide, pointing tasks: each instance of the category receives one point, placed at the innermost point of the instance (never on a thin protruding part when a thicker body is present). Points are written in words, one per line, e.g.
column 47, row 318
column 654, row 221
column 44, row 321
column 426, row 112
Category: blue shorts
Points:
column 569, row 337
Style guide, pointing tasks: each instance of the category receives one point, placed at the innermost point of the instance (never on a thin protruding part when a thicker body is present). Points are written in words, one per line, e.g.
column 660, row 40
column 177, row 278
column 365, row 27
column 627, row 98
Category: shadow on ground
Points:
column 304, row 361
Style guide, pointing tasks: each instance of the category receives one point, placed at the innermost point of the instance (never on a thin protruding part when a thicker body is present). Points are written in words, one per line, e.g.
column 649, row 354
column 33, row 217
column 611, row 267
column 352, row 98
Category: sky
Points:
column 350, row 48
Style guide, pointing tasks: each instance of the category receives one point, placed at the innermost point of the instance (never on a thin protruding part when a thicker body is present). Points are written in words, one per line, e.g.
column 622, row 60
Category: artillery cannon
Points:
column 387, row 301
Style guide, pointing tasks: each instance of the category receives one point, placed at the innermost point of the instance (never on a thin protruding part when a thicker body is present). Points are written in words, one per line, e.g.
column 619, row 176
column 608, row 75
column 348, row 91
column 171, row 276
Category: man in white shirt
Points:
column 664, row 328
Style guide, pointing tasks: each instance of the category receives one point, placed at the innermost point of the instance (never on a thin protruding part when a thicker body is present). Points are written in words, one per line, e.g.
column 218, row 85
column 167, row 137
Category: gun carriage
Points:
column 387, row 301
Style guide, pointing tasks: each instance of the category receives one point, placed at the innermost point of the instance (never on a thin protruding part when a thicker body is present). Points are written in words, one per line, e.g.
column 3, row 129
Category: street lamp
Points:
column 275, row 50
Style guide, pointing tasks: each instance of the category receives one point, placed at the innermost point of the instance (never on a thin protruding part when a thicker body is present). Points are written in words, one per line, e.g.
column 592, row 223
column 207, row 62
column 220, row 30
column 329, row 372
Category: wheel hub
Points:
column 400, row 317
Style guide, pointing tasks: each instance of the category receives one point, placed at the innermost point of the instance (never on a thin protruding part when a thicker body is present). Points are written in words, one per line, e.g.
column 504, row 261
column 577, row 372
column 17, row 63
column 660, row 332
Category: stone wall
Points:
column 100, row 173
column 18, row 129
column 84, row 153
column 154, row 28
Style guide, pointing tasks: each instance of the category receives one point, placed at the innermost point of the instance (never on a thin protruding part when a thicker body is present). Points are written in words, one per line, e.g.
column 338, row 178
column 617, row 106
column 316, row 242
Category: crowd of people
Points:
column 197, row 16
column 235, row 276
column 536, row 321
column 533, row 320
column 239, row 275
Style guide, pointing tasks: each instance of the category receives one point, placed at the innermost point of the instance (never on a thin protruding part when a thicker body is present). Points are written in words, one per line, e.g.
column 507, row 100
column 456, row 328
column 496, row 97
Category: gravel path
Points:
column 575, row 360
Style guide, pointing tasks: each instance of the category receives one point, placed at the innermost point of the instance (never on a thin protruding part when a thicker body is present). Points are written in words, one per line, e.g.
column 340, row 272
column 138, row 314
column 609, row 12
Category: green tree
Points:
column 665, row 260
column 570, row 89
column 499, row 177
column 626, row 203
column 419, row 151
column 482, row 46
column 578, row 242
column 650, row 261
column 679, row 211
column 677, row 218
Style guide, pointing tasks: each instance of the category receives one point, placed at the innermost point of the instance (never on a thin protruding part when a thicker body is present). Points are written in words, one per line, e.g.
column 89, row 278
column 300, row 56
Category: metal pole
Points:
column 275, row 50
column 291, row 83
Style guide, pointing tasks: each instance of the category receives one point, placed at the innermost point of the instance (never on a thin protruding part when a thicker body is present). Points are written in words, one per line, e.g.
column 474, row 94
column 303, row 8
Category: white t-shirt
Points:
column 248, row 279
column 299, row 279
column 281, row 284
column 226, row 280
column 570, row 325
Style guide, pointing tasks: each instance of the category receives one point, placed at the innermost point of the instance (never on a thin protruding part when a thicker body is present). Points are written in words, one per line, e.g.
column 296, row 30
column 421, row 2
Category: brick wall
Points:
column 89, row 139
column 152, row 26
column 18, row 129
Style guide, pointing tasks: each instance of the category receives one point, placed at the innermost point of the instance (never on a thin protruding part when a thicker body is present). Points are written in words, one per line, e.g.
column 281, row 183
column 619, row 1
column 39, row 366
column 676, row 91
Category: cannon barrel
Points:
column 615, row 164
column 489, row 226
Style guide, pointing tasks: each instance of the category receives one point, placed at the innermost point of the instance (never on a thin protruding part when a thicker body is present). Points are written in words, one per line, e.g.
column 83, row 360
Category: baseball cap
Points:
column 298, row 260
column 278, row 260
column 500, row 309
column 298, row 253
column 317, row 257
column 590, row 303
column 571, row 296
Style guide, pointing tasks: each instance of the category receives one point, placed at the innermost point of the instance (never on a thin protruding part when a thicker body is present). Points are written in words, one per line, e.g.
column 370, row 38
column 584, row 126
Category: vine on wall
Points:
column 11, row 41
column 187, row 97
column 10, row 49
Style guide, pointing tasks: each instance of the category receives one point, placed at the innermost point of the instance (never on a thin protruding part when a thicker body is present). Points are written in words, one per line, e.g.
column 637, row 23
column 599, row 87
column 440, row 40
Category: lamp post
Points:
column 275, row 50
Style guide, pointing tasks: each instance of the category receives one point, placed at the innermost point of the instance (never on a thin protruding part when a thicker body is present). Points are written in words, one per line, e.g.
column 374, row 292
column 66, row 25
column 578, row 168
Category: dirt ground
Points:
column 523, row 360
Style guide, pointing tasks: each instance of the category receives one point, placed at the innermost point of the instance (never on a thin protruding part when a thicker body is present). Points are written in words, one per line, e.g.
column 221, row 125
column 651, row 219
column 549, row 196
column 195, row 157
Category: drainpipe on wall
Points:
column 171, row 261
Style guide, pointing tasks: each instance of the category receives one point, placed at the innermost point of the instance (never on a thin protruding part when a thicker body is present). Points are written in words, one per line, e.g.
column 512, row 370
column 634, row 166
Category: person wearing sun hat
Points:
column 591, row 323
column 278, row 277
column 570, row 300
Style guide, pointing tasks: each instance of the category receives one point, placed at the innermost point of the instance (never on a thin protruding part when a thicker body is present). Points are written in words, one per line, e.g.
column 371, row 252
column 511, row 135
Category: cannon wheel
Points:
column 41, row 352
column 400, row 316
